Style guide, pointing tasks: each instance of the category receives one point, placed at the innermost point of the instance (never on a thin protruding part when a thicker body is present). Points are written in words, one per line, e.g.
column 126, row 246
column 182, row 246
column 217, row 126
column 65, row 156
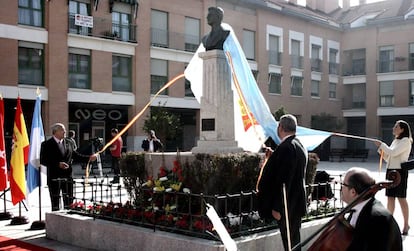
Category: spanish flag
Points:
column 19, row 156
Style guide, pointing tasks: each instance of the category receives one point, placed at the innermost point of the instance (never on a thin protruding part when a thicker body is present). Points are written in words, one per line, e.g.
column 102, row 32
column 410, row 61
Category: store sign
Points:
column 98, row 114
column 84, row 21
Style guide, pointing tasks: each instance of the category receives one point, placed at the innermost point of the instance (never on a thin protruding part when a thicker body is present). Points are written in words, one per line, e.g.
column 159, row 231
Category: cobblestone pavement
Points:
column 38, row 237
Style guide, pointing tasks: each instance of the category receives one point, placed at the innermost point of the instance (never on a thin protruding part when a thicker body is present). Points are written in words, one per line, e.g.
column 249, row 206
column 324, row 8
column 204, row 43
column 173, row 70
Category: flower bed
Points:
column 176, row 200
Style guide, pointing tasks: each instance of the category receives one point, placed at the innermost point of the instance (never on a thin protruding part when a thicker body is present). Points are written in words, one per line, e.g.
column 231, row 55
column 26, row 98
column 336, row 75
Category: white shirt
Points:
column 358, row 209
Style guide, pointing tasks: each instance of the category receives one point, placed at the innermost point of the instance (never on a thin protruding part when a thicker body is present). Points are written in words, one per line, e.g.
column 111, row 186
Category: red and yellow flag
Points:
column 19, row 156
column 3, row 162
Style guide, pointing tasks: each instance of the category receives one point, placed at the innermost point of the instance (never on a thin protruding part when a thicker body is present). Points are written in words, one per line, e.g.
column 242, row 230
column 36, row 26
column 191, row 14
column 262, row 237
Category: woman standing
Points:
column 394, row 155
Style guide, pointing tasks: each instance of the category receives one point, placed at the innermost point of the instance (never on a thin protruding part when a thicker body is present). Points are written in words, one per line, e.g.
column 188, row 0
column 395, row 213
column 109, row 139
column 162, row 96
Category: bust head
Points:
column 215, row 39
column 215, row 16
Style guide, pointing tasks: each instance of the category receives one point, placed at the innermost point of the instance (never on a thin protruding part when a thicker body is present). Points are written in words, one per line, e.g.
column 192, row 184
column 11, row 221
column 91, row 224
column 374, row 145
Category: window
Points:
column 354, row 62
column 274, row 53
column 411, row 83
column 159, row 76
column 316, row 62
column 120, row 25
column 315, row 88
column 386, row 59
column 275, row 83
column 296, row 86
column 78, row 8
column 121, row 73
column 249, row 44
column 192, row 34
column 30, row 63
column 79, row 69
column 333, row 65
column 332, row 90
column 159, row 28
column 31, row 12
column 295, row 56
column 386, row 93
column 411, row 57
column 358, row 96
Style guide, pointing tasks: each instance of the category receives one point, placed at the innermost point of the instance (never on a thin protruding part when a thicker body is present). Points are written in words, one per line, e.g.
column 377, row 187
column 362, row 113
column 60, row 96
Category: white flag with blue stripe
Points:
column 37, row 136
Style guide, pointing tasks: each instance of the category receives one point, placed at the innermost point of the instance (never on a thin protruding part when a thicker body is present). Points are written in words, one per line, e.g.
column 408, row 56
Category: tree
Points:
column 167, row 125
column 279, row 113
column 326, row 122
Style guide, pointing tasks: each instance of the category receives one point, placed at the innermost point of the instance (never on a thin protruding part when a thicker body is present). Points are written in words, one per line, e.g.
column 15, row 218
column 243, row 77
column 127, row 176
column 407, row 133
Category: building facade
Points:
column 98, row 63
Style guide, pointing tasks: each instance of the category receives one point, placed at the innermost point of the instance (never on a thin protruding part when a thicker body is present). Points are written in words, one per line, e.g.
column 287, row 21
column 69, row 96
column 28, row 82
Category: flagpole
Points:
column 37, row 123
column 39, row 225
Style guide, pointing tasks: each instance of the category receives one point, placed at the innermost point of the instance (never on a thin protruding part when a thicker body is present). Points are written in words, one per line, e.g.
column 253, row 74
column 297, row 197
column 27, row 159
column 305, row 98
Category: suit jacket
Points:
column 286, row 165
column 50, row 156
column 376, row 230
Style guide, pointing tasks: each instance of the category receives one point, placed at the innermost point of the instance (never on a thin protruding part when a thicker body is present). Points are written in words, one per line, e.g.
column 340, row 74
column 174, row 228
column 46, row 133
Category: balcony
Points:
column 396, row 65
column 275, row 57
column 104, row 28
column 296, row 61
column 316, row 64
column 333, row 68
column 355, row 67
column 173, row 40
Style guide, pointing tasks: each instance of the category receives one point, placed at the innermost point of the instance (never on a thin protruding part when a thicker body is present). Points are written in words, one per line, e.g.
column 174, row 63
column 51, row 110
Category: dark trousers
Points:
column 294, row 227
column 115, row 165
column 61, row 185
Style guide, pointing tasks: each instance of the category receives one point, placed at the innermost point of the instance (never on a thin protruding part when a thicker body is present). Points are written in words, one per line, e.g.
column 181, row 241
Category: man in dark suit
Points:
column 374, row 227
column 57, row 154
column 285, row 166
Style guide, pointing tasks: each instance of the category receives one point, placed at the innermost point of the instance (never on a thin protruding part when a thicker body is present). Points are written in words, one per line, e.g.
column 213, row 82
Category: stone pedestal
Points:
column 216, row 106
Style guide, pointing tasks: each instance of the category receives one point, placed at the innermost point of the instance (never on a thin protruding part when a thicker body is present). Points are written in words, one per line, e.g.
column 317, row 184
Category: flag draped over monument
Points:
column 37, row 136
column 253, row 120
column 19, row 157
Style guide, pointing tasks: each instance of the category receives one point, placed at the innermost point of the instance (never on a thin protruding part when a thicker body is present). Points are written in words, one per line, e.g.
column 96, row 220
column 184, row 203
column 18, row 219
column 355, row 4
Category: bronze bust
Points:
column 215, row 39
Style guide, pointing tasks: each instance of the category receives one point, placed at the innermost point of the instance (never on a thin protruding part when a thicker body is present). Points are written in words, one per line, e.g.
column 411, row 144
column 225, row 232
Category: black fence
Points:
column 180, row 211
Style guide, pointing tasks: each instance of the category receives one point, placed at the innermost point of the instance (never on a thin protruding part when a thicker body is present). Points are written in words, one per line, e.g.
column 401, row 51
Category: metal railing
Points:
column 184, row 212
column 104, row 28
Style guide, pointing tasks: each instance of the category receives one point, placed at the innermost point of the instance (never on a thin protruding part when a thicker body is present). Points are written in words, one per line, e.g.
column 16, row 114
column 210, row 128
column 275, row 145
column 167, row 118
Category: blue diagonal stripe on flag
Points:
column 37, row 136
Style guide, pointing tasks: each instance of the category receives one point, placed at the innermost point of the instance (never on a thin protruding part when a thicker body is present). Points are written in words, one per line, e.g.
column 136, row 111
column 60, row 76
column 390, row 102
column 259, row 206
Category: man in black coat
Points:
column 57, row 154
column 285, row 166
column 375, row 229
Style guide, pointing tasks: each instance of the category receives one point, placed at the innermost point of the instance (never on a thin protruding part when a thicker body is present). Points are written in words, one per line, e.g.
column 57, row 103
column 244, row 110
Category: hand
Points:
column 268, row 152
column 63, row 165
column 276, row 215
column 378, row 143
column 93, row 157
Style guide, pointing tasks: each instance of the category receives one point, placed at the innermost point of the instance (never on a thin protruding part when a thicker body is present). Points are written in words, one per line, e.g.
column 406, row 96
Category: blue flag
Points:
column 37, row 136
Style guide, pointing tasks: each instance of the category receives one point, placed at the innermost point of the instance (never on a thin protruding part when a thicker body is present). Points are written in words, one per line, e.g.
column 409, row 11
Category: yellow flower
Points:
column 176, row 186
column 159, row 189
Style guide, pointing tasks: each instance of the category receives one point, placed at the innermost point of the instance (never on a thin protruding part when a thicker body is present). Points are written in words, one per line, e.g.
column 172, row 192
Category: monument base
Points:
column 216, row 147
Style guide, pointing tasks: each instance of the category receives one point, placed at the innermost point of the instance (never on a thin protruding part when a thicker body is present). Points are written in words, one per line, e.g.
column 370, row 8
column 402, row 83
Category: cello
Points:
column 336, row 234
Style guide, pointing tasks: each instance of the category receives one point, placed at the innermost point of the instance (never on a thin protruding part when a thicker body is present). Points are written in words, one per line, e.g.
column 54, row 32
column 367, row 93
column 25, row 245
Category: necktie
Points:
column 61, row 148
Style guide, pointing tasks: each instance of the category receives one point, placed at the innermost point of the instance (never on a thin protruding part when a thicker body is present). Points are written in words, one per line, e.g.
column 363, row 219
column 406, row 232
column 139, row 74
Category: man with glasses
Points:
column 374, row 227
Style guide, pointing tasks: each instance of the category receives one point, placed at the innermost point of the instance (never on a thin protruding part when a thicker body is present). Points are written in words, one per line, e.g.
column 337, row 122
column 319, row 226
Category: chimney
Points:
column 346, row 4
column 325, row 6
column 311, row 4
